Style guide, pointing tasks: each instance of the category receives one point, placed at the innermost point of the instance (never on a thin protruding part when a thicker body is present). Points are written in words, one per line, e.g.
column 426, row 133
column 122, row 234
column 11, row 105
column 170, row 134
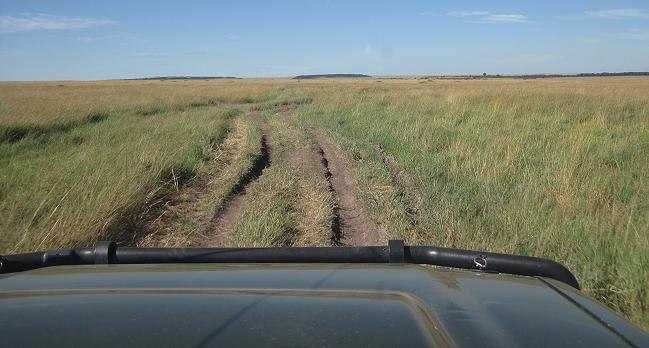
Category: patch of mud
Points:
column 352, row 224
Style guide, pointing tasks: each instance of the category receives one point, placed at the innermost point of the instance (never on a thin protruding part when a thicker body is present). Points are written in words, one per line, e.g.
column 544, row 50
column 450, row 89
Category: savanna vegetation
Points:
column 557, row 168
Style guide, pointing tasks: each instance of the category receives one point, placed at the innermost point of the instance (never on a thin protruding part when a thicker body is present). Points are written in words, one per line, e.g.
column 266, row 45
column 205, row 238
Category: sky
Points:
column 87, row 40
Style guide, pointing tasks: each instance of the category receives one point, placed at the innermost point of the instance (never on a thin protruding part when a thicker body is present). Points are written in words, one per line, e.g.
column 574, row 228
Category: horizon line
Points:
column 324, row 75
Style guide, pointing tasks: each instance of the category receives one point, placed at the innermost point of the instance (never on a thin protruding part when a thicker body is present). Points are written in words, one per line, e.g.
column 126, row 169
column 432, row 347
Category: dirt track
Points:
column 182, row 221
column 225, row 218
column 403, row 181
column 354, row 225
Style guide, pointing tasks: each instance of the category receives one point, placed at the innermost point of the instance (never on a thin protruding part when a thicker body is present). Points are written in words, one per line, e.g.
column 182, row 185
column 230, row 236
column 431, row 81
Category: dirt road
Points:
column 323, row 206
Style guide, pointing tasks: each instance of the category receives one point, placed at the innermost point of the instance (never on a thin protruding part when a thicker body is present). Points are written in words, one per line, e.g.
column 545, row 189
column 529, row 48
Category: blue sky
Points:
column 47, row 40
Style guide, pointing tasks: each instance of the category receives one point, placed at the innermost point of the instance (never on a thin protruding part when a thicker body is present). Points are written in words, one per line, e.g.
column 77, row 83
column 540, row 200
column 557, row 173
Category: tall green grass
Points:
column 558, row 170
column 71, row 188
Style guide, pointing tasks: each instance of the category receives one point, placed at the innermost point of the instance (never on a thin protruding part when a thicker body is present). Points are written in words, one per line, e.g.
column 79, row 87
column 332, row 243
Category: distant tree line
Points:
column 539, row 76
column 628, row 73
column 184, row 78
column 321, row 76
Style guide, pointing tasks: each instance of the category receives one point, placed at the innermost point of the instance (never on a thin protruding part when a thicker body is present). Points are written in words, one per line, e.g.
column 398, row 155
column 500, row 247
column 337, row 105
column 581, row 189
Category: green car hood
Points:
column 327, row 305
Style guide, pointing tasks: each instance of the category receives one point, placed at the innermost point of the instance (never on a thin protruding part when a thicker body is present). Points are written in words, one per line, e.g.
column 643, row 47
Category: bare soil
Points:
column 355, row 228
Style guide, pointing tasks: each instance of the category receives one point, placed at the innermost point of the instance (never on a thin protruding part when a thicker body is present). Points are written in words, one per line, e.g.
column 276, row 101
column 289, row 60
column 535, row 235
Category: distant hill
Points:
column 329, row 76
column 185, row 78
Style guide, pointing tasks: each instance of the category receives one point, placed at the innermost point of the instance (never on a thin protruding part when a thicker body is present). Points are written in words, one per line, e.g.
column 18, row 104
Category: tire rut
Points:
column 311, row 163
column 336, row 231
column 181, row 217
column 352, row 225
column 224, row 220
column 403, row 181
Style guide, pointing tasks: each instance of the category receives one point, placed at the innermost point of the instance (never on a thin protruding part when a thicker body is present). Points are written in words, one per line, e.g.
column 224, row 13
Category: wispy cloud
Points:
column 482, row 16
column 505, row 18
column 41, row 21
column 231, row 38
column 620, row 13
column 467, row 13
column 635, row 34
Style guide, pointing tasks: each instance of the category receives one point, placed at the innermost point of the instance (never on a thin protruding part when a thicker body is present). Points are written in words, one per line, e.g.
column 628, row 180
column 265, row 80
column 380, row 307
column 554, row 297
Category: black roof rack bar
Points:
column 395, row 252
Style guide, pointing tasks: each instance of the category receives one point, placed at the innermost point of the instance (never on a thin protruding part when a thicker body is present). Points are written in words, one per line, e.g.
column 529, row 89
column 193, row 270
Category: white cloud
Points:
column 40, row 21
column 231, row 38
column 483, row 16
column 620, row 13
column 467, row 13
column 506, row 18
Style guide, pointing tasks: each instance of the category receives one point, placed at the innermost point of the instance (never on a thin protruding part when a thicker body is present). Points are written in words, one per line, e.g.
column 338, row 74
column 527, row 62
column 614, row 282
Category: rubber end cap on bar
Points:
column 397, row 252
column 104, row 252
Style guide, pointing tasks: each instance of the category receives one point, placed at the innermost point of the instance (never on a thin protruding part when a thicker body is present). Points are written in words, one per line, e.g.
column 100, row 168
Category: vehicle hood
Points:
column 200, row 305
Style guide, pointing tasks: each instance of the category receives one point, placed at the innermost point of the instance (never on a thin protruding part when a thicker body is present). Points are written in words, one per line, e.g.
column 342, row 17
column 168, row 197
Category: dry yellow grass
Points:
column 41, row 103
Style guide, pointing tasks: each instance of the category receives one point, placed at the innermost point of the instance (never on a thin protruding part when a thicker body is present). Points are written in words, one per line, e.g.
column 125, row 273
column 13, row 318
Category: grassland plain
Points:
column 557, row 168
